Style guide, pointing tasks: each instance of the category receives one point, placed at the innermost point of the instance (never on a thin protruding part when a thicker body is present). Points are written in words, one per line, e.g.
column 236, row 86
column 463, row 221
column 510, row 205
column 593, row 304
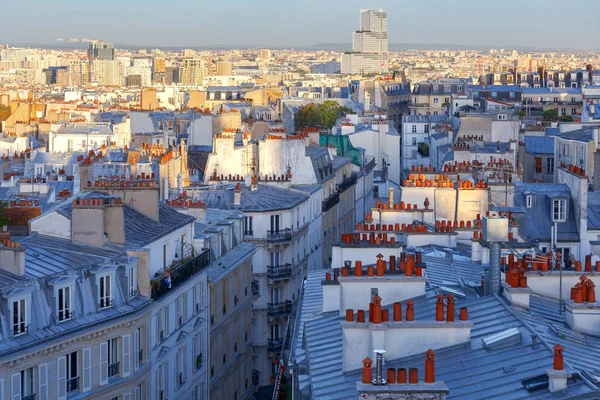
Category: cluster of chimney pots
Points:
column 398, row 376
column 584, row 291
column 410, row 264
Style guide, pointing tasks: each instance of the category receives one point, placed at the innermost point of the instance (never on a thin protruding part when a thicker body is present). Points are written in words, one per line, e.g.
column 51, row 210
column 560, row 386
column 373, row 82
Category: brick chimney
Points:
column 12, row 257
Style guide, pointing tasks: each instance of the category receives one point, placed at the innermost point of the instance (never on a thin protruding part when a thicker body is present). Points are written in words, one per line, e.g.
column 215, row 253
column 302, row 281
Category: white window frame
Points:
column 529, row 200
column 105, row 299
column 21, row 326
column 559, row 214
column 64, row 310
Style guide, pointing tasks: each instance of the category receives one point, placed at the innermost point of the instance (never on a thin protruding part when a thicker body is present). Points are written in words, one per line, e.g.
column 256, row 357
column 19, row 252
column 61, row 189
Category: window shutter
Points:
column 136, row 350
column 126, row 355
column 185, row 356
column 43, row 382
column 87, row 369
column 538, row 164
column 103, row 363
column 62, row 377
column 155, row 330
column 16, row 386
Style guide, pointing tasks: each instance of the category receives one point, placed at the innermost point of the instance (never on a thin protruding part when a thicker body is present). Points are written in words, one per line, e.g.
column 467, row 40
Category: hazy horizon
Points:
column 303, row 23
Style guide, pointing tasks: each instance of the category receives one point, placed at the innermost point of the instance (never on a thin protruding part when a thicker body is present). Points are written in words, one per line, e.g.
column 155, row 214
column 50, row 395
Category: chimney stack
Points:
column 557, row 375
column 237, row 195
column 391, row 197
column 12, row 257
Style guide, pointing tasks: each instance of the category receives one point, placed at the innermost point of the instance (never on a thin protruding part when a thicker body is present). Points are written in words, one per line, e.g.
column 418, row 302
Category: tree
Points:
column 521, row 114
column 4, row 112
column 322, row 116
column 3, row 218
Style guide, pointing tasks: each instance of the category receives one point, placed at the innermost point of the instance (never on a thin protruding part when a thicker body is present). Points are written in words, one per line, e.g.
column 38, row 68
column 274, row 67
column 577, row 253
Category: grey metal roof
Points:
column 141, row 230
column 551, row 90
column 266, row 198
column 539, row 144
column 538, row 218
column 580, row 135
column 229, row 261
column 470, row 371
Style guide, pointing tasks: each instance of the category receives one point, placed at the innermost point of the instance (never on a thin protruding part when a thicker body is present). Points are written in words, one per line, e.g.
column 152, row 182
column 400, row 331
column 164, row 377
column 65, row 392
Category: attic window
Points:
column 529, row 199
column 559, row 210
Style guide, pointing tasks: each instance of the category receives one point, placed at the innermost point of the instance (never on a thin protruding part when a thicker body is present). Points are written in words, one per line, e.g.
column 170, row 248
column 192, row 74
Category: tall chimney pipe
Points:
column 379, row 368
column 391, row 197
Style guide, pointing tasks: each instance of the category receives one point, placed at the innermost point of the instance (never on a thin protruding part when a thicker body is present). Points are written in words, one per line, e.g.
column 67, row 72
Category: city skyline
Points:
column 463, row 23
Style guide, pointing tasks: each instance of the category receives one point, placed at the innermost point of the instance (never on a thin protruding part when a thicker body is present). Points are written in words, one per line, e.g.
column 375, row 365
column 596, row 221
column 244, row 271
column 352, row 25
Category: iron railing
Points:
column 181, row 273
column 72, row 384
column 279, row 309
column 281, row 235
column 347, row 183
column 275, row 345
column 255, row 288
column 330, row 202
column 255, row 377
column 28, row 397
column 113, row 369
column 279, row 271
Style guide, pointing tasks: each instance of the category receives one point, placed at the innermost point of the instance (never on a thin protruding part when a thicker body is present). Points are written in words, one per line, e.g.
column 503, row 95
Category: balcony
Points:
column 29, row 397
column 113, row 369
column 278, row 236
column 276, row 272
column 330, row 202
column 180, row 274
column 347, row 183
column 72, row 384
column 275, row 345
column 279, row 309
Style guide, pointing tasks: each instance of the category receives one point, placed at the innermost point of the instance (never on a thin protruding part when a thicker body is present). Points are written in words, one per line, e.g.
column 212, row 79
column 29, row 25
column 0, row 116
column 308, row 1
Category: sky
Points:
column 295, row 23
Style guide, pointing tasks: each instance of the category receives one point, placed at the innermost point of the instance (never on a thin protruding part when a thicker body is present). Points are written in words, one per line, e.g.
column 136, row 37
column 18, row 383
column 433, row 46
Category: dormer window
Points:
column 131, row 282
column 559, row 210
column 105, row 291
column 529, row 201
column 19, row 317
column 64, row 303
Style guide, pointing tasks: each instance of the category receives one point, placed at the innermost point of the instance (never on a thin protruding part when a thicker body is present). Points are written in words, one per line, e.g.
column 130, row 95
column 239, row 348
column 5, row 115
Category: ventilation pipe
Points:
column 379, row 368
column 494, row 232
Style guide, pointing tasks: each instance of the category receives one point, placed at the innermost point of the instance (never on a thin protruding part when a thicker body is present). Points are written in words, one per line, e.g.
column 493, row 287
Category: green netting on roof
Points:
column 343, row 145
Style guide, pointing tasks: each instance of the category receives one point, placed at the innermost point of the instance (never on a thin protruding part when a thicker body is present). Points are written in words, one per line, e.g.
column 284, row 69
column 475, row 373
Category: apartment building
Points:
column 434, row 97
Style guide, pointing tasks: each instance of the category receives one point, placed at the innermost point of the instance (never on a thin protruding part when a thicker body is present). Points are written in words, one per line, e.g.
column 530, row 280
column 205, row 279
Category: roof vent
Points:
column 500, row 339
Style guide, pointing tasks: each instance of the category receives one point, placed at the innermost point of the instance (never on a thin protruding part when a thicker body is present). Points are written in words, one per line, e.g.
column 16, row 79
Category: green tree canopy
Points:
column 322, row 116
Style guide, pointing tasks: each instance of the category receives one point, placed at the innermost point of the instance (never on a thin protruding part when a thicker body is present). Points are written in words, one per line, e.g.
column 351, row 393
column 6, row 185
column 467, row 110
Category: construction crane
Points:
column 79, row 40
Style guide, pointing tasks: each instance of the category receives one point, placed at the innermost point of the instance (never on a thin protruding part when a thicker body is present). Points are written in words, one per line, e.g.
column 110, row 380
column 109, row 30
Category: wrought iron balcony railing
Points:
column 279, row 271
column 281, row 235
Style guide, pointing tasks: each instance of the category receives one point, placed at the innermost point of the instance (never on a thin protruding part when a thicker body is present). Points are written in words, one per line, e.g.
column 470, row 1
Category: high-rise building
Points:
column 101, row 51
column 192, row 71
column 107, row 72
column 369, row 45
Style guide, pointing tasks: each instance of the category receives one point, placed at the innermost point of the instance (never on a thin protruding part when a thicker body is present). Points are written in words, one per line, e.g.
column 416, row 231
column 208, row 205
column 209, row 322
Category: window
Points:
column 559, row 208
column 131, row 282
column 113, row 357
column 414, row 129
column 538, row 164
column 512, row 95
column 550, row 165
column 275, row 296
column 197, row 351
column 435, row 100
column 180, row 366
column 274, row 332
column 20, row 317
column 414, row 141
column 26, row 383
column 64, row 303
column 105, row 291
column 275, row 259
column 426, row 128
column 529, row 201
column 275, row 223
column 72, row 376
column 581, row 152
column 248, row 228
column 494, row 94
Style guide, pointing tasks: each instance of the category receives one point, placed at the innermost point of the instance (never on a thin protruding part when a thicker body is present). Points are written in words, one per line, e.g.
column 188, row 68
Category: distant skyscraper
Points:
column 192, row 71
column 101, row 51
column 369, row 45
